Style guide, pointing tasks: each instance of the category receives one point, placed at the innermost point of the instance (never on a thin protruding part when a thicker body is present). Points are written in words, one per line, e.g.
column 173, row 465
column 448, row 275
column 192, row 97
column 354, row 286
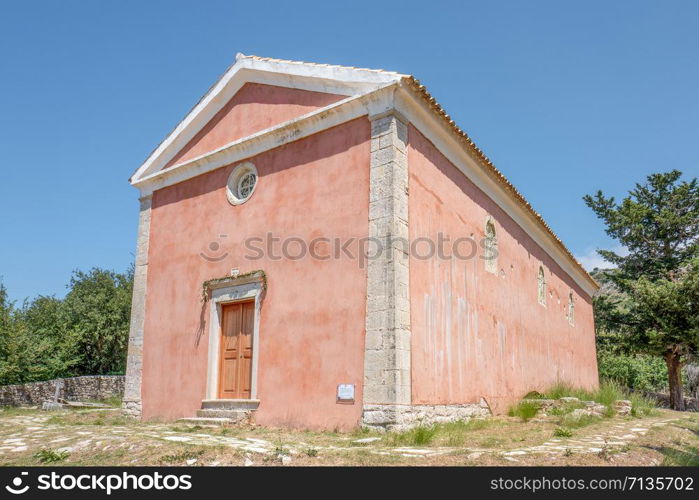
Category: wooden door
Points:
column 235, row 371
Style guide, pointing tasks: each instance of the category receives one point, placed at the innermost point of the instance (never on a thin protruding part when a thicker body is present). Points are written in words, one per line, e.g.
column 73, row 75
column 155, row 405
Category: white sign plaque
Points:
column 345, row 392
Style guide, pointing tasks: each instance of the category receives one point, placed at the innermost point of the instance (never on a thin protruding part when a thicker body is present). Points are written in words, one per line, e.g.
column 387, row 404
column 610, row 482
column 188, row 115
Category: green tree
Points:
column 84, row 334
column 5, row 310
column 633, row 369
column 7, row 343
column 44, row 322
column 664, row 319
column 97, row 311
column 658, row 223
column 19, row 349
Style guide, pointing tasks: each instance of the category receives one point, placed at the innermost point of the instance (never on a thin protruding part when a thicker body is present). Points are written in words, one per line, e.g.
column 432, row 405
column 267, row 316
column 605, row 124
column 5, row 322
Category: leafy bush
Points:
column 86, row 333
column 640, row 372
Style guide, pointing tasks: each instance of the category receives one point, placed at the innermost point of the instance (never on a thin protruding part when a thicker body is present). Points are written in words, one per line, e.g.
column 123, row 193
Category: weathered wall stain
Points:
column 313, row 315
column 480, row 334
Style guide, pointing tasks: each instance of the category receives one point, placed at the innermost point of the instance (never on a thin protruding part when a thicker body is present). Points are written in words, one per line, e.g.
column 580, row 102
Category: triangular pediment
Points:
column 255, row 94
column 255, row 107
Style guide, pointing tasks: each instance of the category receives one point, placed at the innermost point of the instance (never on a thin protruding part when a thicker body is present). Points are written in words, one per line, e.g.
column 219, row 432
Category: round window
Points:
column 241, row 183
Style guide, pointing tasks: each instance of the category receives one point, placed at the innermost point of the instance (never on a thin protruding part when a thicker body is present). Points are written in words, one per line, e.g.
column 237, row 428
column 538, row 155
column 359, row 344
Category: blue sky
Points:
column 564, row 97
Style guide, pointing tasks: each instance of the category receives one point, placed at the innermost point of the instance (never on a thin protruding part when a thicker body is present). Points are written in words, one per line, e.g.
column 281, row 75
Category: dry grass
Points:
column 118, row 441
column 109, row 418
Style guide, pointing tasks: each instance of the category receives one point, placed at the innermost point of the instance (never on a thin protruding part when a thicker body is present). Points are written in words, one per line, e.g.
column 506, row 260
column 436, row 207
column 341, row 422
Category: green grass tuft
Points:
column 457, row 433
column 46, row 456
column 609, row 392
column 182, row 456
column 362, row 432
column 563, row 432
column 280, row 449
column 417, row 436
column 526, row 410
column 454, row 434
column 186, row 428
column 113, row 401
column 687, row 457
column 642, row 406
column 560, row 390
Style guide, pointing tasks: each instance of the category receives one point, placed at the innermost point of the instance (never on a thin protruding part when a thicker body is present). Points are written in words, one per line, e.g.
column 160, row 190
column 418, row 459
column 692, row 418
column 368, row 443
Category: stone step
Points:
column 235, row 415
column 207, row 421
column 230, row 404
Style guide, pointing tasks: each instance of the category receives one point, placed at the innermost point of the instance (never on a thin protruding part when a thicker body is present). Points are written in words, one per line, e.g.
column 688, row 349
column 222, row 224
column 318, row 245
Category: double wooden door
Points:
column 235, row 370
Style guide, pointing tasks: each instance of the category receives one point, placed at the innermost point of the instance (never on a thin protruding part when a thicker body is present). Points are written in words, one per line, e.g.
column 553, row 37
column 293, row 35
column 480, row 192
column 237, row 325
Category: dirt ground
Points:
column 105, row 437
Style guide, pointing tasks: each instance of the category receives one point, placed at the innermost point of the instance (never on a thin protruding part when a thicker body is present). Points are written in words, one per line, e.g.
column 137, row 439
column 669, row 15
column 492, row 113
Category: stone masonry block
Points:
column 387, row 344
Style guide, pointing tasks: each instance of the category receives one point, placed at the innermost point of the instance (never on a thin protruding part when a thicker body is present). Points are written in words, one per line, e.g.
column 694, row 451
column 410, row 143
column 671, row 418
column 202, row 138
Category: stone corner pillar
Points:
column 134, row 361
column 387, row 343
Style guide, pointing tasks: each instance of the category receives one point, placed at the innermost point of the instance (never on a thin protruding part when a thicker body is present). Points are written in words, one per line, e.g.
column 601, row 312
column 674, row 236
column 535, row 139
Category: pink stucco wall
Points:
column 312, row 318
column 253, row 108
column 476, row 334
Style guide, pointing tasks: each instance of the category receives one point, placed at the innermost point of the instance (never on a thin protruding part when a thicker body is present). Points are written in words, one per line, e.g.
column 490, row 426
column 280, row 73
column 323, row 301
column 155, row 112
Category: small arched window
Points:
column 571, row 309
column 541, row 286
column 490, row 247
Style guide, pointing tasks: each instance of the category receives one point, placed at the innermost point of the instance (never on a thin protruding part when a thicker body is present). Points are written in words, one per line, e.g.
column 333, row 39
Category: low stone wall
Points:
column 577, row 408
column 400, row 417
column 92, row 387
column 691, row 404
